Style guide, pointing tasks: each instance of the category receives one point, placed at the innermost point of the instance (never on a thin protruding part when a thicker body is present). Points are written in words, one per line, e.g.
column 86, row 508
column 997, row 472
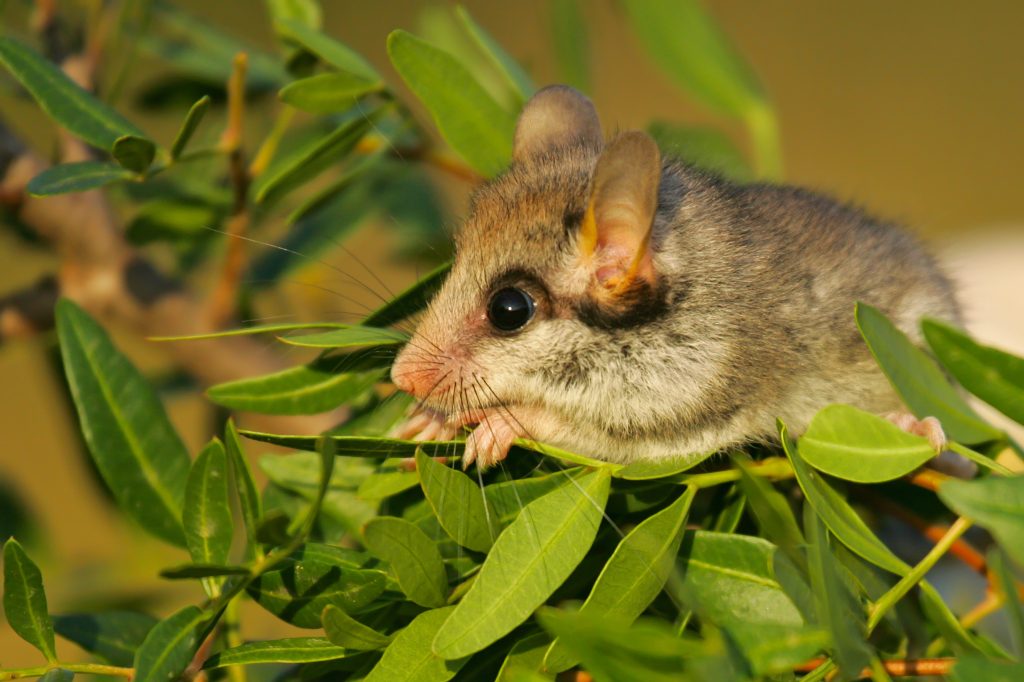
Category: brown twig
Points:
column 908, row 667
column 929, row 479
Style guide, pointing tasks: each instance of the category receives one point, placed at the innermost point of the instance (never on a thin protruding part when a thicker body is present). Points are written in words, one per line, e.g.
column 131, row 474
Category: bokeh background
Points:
column 913, row 109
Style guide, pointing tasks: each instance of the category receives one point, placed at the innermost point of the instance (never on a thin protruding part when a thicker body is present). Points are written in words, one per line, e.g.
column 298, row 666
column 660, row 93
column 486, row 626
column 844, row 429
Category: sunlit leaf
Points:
column 138, row 452
column 77, row 177
column 458, row 502
column 409, row 659
column 529, row 560
column 25, row 600
column 919, row 381
column 646, row 470
column 527, row 655
column 855, row 445
column 207, row 512
column 635, row 573
column 188, row 126
column 412, row 556
column 307, row 389
column 384, row 484
column 344, row 630
column 112, row 635
column 290, row 650
column 363, row 446
column 466, row 115
column 351, row 336
column 995, row 376
column 328, row 93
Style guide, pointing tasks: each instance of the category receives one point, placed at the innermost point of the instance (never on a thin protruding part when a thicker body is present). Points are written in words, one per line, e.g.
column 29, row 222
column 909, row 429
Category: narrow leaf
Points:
column 995, row 503
column 466, row 115
column 777, row 649
column 362, row 446
column 995, row 376
column 170, row 646
column 331, row 51
column 774, row 516
column 289, row 650
column 134, row 153
column 198, row 570
column 384, row 484
column 919, row 381
column 251, row 331
column 188, row 127
column 635, row 573
column 25, row 600
column 351, row 336
column 647, row 470
column 69, row 105
column 76, row 177
column 138, row 452
column 328, row 93
column 112, row 635
column 855, row 445
column 412, row 556
column 530, row 559
column 408, row 658
column 207, row 513
column 516, row 78
column 306, row 389
column 245, row 487
column 345, row 631
column 459, row 503
column 410, row 301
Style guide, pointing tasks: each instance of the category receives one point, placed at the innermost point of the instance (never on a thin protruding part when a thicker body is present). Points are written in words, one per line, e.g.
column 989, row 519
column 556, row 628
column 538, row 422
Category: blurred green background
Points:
column 913, row 109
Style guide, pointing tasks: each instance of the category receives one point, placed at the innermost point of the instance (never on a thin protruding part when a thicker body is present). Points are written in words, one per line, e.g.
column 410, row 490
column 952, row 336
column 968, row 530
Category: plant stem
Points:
column 979, row 459
column 992, row 602
column 908, row 667
column 233, row 638
column 916, row 574
column 773, row 467
column 87, row 668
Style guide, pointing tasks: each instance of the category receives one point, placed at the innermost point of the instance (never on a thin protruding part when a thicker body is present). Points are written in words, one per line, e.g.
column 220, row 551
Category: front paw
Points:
column 491, row 440
column 426, row 424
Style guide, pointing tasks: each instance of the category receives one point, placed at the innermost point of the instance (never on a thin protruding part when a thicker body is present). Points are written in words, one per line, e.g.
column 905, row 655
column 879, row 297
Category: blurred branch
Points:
column 908, row 667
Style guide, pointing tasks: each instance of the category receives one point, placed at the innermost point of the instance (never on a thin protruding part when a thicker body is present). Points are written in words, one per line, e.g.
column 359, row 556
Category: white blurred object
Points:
column 989, row 274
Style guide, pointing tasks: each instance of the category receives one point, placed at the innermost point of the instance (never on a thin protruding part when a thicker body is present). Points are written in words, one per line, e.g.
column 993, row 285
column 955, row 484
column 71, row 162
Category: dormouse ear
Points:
column 616, row 231
column 555, row 115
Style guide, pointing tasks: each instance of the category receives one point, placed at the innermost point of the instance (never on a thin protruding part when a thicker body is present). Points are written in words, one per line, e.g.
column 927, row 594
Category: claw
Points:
column 946, row 461
column 490, row 441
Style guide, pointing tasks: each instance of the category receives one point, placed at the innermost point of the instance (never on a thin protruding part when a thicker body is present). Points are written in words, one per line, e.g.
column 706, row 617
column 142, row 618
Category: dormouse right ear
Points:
column 555, row 116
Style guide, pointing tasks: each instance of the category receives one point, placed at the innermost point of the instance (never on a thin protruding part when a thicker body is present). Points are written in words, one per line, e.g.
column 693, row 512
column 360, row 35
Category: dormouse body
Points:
column 624, row 306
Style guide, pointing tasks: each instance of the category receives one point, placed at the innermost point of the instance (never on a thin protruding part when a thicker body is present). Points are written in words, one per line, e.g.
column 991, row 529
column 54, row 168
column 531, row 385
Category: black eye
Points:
column 510, row 309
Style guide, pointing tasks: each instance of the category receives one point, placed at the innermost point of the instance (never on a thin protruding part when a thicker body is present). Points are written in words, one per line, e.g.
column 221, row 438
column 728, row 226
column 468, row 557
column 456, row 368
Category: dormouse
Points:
column 626, row 306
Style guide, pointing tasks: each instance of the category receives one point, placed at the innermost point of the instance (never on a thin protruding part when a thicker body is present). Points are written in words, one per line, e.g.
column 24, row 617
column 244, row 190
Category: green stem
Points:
column 916, row 574
column 773, row 467
column 87, row 668
column 979, row 459
column 233, row 638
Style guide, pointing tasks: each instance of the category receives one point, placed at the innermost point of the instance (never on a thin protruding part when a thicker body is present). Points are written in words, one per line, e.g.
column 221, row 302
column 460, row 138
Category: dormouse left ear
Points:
column 616, row 232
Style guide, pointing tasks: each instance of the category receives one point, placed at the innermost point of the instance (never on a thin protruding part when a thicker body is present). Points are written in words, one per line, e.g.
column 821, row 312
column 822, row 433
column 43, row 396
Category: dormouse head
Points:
column 555, row 255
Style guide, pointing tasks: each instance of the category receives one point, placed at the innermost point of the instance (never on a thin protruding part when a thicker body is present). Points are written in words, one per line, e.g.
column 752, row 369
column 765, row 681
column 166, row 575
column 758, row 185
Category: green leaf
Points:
column 773, row 514
column 408, row 658
column 569, row 39
column 410, row 301
column 344, row 630
column 362, row 446
column 251, row 331
column 647, row 470
column 245, row 487
column 466, row 115
column 350, row 336
column 635, row 573
column 331, row 51
column 976, row 668
column 207, row 512
column 919, row 381
column 728, row 578
column 855, row 445
column 69, row 105
column 328, row 93
column 1006, row 584
column 289, row 650
column 201, row 570
column 138, row 452
column 315, row 577
column 412, row 556
column 304, row 12
column 306, row 389
column 112, row 635
column 777, row 649
column 516, row 78
column 384, row 484
column 995, row 376
column 76, row 177
column 509, row 498
column 300, row 472
column 527, row 655
column 838, row 608
column 134, row 153
column 459, row 503
column 188, row 127
column 25, row 600
column 529, row 560
column 703, row 147
column 837, row 515
column 323, row 153
column 687, row 42
column 170, row 646
column 995, row 503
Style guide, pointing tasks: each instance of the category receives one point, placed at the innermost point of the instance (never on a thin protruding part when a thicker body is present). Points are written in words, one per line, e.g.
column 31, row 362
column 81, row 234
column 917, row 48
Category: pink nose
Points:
column 415, row 375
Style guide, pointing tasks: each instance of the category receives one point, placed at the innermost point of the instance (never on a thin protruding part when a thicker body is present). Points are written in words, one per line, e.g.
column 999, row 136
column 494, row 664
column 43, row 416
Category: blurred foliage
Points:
column 758, row 567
